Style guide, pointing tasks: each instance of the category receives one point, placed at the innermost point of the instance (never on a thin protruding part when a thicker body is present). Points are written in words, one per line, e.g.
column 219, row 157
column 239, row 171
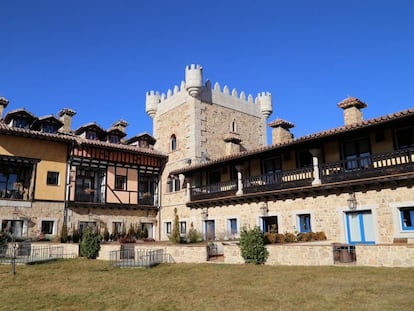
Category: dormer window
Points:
column 91, row 135
column 49, row 128
column 20, row 123
column 114, row 139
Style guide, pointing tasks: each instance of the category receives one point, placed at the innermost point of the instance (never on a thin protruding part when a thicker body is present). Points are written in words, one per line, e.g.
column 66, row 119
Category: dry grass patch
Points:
column 82, row 284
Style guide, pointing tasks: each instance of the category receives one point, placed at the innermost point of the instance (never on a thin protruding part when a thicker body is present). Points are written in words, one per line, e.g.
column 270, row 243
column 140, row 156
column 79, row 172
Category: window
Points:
column 20, row 123
column 183, row 227
column 168, row 227
column 91, row 135
column 14, row 227
column 173, row 185
column 49, row 128
column 357, row 153
column 270, row 168
column 116, row 228
column 407, row 218
column 173, row 143
column 232, row 223
column 113, row 139
column 269, row 224
column 52, row 178
column 11, row 182
column 304, row 223
column 234, row 126
column 304, row 159
column 120, row 182
column 47, row 226
column 405, row 138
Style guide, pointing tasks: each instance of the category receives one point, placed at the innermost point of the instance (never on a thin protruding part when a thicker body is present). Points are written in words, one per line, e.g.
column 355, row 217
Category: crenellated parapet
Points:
column 193, row 86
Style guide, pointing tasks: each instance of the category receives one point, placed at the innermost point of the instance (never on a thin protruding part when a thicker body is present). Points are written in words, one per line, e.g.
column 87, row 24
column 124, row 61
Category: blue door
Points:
column 360, row 227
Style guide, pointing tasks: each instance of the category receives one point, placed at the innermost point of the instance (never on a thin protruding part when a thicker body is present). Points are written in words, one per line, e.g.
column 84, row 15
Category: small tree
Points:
column 90, row 244
column 175, row 236
column 252, row 246
column 64, row 233
column 193, row 235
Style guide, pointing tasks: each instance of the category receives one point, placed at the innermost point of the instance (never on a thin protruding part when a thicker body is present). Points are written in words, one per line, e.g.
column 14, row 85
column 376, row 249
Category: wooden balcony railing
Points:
column 283, row 179
column 220, row 189
column 390, row 163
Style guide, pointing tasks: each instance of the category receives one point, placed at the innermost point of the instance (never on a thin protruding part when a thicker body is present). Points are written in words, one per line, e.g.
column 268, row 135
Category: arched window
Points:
column 234, row 126
column 173, row 142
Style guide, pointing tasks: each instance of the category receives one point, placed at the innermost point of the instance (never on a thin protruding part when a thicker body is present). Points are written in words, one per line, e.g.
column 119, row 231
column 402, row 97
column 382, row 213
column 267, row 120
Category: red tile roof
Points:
column 64, row 137
column 309, row 137
column 351, row 101
column 281, row 123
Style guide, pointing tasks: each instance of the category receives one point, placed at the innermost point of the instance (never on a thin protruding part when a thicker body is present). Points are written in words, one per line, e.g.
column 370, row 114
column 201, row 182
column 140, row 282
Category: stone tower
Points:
column 194, row 123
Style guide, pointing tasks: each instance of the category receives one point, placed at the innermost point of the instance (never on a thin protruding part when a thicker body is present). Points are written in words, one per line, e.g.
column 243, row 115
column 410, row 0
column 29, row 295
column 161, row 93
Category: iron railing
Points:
column 23, row 253
column 138, row 257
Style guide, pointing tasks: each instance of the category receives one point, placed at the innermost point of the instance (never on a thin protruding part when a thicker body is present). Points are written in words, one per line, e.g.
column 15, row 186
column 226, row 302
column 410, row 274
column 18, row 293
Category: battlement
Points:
column 193, row 86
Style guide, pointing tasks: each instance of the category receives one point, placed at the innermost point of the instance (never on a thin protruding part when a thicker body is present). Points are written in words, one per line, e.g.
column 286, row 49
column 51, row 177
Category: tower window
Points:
column 234, row 126
column 173, row 143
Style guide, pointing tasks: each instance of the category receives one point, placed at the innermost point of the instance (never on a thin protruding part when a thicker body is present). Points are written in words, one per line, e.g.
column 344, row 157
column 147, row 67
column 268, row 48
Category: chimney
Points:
column 352, row 110
column 3, row 104
column 121, row 125
column 280, row 131
column 232, row 140
column 66, row 115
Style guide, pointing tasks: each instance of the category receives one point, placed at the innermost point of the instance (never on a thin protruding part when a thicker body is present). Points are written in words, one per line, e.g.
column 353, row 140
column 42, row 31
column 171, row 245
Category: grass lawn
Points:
column 81, row 284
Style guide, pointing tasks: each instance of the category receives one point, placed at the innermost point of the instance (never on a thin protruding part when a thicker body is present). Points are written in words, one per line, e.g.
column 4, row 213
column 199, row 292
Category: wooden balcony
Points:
column 386, row 165
column 390, row 163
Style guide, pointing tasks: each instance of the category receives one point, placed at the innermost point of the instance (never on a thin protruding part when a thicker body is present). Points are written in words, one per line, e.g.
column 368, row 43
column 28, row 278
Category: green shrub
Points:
column 193, row 236
column 90, row 244
column 252, row 246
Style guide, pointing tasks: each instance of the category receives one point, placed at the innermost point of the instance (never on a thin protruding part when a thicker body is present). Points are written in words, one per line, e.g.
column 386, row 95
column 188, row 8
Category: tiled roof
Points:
column 351, row 101
column 281, row 123
column 93, row 125
column 137, row 137
column 4, row 129
column 103, row 144
column 317, row 135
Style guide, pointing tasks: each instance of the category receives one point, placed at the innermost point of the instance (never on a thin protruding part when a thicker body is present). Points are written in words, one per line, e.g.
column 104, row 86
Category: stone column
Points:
column 188, row 192
column 315, row 152
column 239, row 180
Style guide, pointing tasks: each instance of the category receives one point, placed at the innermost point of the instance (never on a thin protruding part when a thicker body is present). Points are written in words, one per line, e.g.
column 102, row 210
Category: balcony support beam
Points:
column 239, row 179
column 316, row 152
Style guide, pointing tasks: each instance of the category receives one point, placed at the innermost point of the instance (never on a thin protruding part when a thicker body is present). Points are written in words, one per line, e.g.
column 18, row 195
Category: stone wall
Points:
column 287, row 254
column 303, row 254
column 180, row 253
column 385, row 255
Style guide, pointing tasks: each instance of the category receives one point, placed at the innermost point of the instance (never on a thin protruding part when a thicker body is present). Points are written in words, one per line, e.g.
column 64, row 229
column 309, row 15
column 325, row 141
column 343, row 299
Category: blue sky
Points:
column 100, row 57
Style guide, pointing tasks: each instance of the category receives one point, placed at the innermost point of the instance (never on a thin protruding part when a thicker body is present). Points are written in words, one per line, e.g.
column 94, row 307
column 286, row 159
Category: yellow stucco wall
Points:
column 52, row 157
